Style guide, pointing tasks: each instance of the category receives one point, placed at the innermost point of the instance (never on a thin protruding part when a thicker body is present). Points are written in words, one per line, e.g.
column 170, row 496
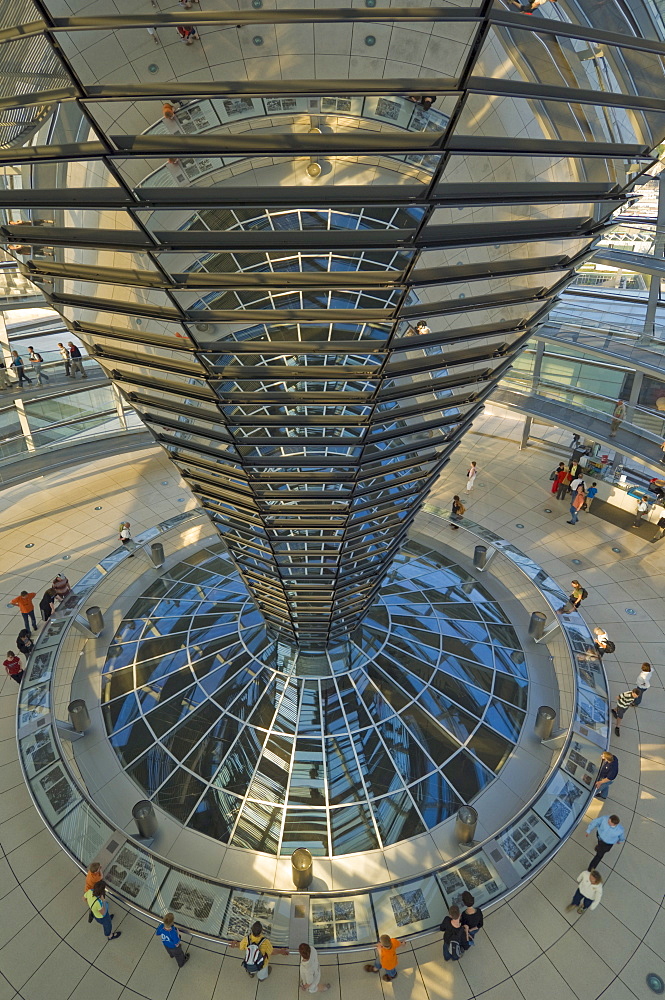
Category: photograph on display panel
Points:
column 136, row 874
column 526, row 842
column 408, row 908
column 342, row 921
column 196, row 903
column 477, row 876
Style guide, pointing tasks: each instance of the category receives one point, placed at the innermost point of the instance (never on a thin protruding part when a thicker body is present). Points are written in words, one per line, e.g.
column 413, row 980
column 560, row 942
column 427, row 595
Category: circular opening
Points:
column 257, row 40
column 153, row 68
column 655, row 983
column 314, row 170
column 370, row 40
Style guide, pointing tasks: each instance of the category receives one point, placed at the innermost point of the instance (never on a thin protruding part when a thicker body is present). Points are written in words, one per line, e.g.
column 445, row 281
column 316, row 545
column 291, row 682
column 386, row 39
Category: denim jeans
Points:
column 448, row 955
column 573, row 514
column 603, row 791
column 27, row 615
column 391, row 973
column 579, row 900
column 105, row 921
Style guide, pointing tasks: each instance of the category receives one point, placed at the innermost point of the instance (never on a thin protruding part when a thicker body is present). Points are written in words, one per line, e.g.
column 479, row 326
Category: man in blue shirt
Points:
column 170, row 938
column 607, row 772
column 609, row 832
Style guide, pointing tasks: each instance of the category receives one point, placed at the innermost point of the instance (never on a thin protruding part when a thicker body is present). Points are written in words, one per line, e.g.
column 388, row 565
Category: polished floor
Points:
column 530, row 948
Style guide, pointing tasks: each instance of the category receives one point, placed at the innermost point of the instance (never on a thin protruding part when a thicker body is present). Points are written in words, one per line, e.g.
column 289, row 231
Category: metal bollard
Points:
column 465, row 825
column 545, row 722
column 78, row 715
column 157, row 554
column 301, row 868
column 146, row 821
column 95, row 620
column 480, row 556
column 537, row 624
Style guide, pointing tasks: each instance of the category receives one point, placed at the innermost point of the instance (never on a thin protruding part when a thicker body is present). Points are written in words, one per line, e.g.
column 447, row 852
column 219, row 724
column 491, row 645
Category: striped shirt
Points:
column 625, row 700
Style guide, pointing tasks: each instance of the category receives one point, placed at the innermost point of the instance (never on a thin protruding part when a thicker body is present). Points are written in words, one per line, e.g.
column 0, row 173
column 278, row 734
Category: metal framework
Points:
column 249, row 259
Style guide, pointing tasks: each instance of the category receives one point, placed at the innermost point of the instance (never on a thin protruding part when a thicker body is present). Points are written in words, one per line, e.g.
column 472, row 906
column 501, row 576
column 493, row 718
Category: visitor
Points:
column 93, row 876
column 602, row 642
column 386, row 958
column 643, row 682
column 64, row 354
column 46, row 604
column 454, row 936
column 607, row 772
column 591, row 494
column 578, row 501
column 564, row 484
column 618, row 416
column 258, row 948
column 609, row 832
column 575, row 598
column 168, row 934
column 24, row 643
column 61, row 586
column 19, row 369
column 624, row 701
column 96, row 900
column 24, row 603
column 472, row 917
column 471, row 477
column 310, row 970
column 36, row 360
column 76, row 360
column 188, row 34
column 642, row 509
column 589, row 892
column 456, row 512
column 13, row 666
column 557, row 475
column 125, row 537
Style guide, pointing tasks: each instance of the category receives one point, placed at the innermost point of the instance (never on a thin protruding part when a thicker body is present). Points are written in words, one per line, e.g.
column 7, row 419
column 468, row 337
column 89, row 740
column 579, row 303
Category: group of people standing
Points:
column 59, row 589
column 71, row 355
column 567, row 480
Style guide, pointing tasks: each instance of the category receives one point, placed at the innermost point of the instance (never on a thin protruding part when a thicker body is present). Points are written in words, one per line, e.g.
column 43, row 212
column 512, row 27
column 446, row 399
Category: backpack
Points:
column 461, row 509
column 585, row 594
column 553, row 475
column 37, row 357
column 455, row 949
column 254, row 958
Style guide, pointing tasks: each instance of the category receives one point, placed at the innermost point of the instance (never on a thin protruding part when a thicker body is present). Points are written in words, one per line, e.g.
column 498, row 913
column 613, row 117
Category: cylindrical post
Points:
column 78, row 715
column 537, row 624
column 545, row 722
column 145, row 819
column 157, row 554
column 95, row 620
column 465, row 825
column 480, row 556
column 301, row 868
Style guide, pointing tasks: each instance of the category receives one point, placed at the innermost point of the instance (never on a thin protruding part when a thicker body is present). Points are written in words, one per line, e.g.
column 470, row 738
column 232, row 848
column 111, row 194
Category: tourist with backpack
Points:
column 36, row 360
column 575, row 598
column 386, row 958
column 455, row 939
column 602, row 642
column 258, row 949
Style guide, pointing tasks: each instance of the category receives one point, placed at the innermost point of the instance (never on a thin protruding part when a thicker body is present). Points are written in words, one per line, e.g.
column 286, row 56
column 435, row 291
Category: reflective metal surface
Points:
column 267, row 747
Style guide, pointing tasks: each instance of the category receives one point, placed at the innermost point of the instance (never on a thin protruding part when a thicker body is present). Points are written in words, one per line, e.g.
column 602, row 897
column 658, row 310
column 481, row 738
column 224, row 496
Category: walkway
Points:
column 531, row 949
column 592, row 424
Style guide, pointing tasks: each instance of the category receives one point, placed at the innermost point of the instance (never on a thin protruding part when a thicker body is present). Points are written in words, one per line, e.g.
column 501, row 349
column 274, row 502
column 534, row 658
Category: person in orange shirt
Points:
column 24, row 603
column 93, row 876
column 386, row 958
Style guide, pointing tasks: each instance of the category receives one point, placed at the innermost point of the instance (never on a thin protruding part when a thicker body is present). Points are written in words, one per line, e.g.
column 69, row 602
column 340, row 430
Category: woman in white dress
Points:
column 471, row 477
column 310, row 970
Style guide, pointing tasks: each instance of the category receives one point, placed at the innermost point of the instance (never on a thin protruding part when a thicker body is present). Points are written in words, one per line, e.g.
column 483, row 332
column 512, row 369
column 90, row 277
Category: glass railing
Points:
column 645, row 422
column 207, row 907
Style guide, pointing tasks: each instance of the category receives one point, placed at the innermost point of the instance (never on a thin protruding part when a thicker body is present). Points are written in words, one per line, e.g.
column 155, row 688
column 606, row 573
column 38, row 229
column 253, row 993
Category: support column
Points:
column 649, row 329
